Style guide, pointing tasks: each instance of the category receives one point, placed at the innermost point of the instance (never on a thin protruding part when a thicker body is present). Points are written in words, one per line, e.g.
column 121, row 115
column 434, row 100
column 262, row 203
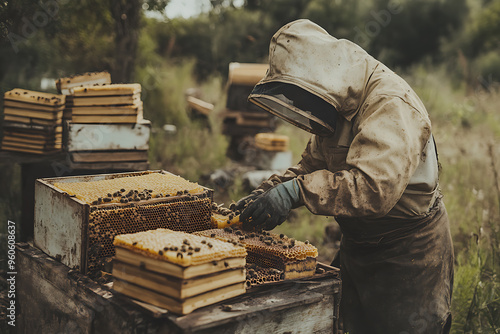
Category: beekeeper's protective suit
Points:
column 372, row 164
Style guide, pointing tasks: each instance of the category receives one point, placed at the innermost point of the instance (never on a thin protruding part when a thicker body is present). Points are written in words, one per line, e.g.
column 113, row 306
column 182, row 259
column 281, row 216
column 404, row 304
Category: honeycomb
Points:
column 265, row 249
column 223, row 217
column 221, row 221
column 179, row 213
column 128, row 189
column 178, row 247
column 256, row 275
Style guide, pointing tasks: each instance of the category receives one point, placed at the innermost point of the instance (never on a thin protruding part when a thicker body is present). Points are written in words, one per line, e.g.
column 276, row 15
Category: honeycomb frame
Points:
column 185, row 213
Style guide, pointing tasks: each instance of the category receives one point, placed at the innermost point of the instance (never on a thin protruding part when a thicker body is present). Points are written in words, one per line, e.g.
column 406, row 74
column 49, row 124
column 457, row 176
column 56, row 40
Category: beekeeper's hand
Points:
column 240, row 205
column 272, row 207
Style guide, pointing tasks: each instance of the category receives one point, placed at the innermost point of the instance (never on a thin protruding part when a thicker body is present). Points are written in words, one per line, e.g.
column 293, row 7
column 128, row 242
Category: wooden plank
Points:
column 108, row 90
column 33, row 97
column 52, row 297
column 184, row 306
column 246, row 73
column 26, row 105
column 32, row 128
column 167, row 268
column 109, row 156
column 175, row 287
column 31, row 136
column 203, row 107
column 65, row 85
column 41, row 141
column 294, row 307
column 106, row 100
column 35, row 146
column 33, row 120
column 25, row 158
column 33, row 113
column 28, row 150
column 107, row 166
column 106, row 110
column 47, row 287
column 106, row 119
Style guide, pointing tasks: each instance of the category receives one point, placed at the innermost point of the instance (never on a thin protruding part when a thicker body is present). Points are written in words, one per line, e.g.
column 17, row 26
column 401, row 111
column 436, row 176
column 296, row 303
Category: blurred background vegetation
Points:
column 448, row 50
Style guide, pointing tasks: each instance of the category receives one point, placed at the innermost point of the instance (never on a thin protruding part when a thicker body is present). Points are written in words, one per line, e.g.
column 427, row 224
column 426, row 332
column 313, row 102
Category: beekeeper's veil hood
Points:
column 313, row 77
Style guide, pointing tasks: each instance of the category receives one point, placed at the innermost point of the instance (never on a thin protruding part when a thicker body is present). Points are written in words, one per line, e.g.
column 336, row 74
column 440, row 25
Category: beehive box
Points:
column 106, row 137
column 80, row 233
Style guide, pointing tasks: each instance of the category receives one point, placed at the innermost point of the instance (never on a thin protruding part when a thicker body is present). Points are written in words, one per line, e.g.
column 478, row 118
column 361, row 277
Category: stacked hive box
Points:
column 295, row 259
column 32, row 121
column 271, row 142
column 106, row 127
column 177, row 271
column 137, row 203
column 66, row 85
column 111, row 103
column 272, row 152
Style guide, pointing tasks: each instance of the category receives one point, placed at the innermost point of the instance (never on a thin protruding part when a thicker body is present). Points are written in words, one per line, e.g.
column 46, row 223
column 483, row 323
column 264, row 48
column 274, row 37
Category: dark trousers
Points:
column 397, row 276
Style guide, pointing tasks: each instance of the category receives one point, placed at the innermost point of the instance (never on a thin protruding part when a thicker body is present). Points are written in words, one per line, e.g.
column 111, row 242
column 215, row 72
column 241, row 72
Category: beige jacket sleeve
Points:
column 311, row 161
column 389, row 136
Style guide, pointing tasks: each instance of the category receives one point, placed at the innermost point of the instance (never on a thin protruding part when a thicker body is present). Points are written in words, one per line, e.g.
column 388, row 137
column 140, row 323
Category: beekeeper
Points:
column 372, row 164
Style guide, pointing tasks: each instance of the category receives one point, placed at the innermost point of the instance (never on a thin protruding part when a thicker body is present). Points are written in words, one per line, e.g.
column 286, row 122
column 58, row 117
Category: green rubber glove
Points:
column 272, row 207
column 240, row 205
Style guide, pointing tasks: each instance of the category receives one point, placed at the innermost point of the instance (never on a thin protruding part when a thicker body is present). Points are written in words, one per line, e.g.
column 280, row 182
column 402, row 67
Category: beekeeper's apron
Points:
column 397, row 275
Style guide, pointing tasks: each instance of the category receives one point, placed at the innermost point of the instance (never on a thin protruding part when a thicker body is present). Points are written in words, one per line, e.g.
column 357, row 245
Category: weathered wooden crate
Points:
column 81, row 235
column 54, row 299
column 106, row 137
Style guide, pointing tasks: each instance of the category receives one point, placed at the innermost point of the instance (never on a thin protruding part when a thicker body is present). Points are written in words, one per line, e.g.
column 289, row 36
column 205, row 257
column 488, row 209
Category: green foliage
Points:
column 215, row 40
column 412, row 30
column 484, row 29
column 339, row 18
column 487, row 67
